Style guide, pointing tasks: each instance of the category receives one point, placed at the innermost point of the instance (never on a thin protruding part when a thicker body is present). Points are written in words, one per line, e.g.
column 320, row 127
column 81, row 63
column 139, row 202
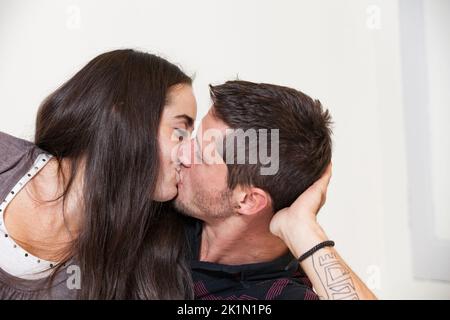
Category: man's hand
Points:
column 297, row 226
column 300, row 217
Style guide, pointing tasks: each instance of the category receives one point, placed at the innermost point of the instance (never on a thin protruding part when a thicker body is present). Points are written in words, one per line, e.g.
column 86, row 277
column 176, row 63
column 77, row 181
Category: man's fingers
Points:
column 328, row 171
column 322, row 184
column 316, row 194
column 324, row 180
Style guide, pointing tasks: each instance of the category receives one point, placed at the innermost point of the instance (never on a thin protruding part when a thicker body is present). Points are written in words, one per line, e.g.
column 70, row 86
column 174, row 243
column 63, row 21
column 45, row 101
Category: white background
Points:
column 346, row 53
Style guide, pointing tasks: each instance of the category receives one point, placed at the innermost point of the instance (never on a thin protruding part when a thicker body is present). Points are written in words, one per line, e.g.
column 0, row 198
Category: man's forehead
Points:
column 211, row 122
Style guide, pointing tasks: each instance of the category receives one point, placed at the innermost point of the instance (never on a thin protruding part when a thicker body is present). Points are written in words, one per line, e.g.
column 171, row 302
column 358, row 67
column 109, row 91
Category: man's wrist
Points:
column 302, row 236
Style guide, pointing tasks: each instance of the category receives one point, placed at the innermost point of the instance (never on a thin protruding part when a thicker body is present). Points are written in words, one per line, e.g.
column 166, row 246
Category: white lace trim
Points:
column 14, row 260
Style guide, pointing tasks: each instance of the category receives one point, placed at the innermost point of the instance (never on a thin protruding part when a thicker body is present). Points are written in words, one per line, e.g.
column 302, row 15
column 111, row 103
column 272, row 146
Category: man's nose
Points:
column 186, row 153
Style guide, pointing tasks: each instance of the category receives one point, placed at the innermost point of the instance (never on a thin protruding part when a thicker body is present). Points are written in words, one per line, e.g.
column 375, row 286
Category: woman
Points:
column 87, row 197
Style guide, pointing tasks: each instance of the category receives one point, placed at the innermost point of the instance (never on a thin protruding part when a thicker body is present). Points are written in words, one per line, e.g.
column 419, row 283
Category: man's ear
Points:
column 250, row 200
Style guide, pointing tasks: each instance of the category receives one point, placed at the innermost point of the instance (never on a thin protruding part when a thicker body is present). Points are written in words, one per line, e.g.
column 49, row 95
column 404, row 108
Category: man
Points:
column 253, row 226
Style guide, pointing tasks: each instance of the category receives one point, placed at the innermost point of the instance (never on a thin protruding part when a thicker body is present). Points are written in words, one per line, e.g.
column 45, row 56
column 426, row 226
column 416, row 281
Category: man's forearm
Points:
column 331, row 277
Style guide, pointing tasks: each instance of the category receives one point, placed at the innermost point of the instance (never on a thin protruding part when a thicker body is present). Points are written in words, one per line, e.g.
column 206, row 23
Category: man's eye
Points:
column 181, row 134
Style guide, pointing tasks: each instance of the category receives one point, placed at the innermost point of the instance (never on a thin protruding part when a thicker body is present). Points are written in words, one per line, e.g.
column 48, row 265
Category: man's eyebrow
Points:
column 189, row 120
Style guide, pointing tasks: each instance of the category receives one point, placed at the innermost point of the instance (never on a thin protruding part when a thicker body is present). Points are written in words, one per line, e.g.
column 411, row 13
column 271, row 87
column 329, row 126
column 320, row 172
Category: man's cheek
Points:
column 197, row 177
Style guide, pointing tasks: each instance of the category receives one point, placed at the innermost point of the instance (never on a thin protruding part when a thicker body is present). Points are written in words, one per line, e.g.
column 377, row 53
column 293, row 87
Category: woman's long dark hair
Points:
column 105, row 119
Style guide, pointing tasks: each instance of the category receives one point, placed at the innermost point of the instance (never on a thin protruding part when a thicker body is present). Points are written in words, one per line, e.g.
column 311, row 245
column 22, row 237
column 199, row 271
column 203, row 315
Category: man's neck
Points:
column 236, row 241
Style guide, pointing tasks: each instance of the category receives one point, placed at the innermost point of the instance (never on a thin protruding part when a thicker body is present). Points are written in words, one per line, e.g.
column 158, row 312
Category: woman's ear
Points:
column 250, row 200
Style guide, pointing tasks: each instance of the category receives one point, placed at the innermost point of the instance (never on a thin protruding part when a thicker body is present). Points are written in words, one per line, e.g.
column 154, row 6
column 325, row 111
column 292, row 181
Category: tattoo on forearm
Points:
column 334, row 276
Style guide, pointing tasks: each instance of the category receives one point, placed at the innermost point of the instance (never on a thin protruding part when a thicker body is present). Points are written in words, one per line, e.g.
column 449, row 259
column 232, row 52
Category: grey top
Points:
column 17, row 156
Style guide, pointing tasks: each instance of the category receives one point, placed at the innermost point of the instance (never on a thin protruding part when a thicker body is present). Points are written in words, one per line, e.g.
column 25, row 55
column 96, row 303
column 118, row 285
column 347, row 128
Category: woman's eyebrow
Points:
column 189, row 120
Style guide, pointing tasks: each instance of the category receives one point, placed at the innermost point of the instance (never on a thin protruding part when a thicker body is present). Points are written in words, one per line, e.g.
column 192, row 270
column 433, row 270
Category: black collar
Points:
column 284, row 266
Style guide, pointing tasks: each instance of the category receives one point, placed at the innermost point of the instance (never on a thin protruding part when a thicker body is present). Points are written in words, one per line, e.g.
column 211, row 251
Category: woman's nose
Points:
column 186, row 153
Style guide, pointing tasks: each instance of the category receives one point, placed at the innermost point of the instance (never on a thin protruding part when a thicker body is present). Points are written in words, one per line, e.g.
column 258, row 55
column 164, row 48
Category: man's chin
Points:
column 183, row 208
column 179, row 205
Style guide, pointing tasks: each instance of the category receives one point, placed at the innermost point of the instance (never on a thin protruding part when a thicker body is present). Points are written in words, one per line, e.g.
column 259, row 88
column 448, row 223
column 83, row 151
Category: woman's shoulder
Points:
column 7, row 140
column 12, row 149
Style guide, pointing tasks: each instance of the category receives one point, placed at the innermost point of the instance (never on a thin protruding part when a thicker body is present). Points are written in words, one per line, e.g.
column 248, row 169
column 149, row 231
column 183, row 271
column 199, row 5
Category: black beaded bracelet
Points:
column 316, row 248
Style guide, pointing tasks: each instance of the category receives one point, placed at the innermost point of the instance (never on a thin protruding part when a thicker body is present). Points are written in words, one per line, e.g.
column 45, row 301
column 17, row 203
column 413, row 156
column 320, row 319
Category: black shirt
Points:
column 281, row 278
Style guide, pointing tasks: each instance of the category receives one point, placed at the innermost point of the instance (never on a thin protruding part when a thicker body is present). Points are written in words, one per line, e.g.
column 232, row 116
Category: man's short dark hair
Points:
column 304, row 135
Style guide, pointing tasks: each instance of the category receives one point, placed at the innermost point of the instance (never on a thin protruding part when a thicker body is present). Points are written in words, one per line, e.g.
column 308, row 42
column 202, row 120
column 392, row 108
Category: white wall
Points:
column 346, row 53
column 437, row 20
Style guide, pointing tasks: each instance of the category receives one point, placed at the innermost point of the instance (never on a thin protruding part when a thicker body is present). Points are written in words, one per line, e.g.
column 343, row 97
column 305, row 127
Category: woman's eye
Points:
column 181, row 134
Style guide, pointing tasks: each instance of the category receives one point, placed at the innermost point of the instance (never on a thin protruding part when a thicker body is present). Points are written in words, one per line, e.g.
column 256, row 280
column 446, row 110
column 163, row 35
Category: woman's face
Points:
column 177, row 123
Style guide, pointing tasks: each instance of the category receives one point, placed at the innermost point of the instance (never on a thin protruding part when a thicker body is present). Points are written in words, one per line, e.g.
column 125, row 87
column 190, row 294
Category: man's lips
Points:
column 178, row 177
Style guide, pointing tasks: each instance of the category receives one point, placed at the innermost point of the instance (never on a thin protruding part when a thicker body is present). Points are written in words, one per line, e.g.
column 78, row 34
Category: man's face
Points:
column 202, row 190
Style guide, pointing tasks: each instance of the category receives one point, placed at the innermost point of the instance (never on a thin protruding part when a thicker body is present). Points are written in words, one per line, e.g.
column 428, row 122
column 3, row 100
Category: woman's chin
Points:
column 166, row 195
